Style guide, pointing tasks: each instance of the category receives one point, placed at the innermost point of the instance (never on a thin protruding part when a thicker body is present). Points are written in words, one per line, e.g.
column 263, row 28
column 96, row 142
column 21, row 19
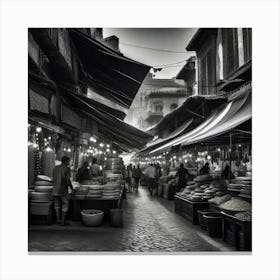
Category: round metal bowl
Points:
column 92, row 217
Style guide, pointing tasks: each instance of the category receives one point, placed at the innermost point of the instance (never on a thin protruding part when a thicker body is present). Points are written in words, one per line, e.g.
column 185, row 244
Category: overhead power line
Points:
column 148, row 48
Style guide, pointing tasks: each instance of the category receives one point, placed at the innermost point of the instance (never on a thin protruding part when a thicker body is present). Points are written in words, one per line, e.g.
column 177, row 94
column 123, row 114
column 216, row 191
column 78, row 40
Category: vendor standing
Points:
column 61, row 182
column 95, row 168
column 182, row 174
column 84, row 172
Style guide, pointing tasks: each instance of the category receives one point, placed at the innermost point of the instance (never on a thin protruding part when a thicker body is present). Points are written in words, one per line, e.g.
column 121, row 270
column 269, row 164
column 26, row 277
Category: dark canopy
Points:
column 111, row 74
column 114, row 128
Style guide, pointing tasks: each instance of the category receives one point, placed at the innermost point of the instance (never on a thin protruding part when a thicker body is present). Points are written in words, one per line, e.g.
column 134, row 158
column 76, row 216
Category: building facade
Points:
column 222, row 55
column 155, row 99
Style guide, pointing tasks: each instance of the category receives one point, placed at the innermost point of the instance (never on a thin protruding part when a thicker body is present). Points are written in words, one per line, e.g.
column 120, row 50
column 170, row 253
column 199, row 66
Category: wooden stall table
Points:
column 103, row 204
column 188, row 209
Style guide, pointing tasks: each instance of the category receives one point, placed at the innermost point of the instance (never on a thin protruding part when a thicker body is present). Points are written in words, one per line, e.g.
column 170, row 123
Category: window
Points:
column 158, row 106
column 230, row 49
column 247, row 43
column 173, row 106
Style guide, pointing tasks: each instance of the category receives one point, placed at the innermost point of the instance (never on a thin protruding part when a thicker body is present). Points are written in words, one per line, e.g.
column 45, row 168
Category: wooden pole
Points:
column 230, row 153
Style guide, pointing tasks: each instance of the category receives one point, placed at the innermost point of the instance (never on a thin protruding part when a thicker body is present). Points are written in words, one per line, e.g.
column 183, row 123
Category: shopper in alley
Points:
column 61, row 182
column 137, row 176
column 183, row 175
column 150, row 172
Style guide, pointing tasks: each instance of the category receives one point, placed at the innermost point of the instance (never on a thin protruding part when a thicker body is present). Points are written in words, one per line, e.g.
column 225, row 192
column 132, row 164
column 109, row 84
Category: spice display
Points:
column 244, row 216
column 236, row 204
column 219, row 200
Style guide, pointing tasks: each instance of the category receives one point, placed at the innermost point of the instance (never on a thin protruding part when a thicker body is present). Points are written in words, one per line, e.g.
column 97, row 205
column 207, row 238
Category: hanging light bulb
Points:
column 92, row 139
column 35, row 145
column 48, row 149
column 38, row 129
column 108, row 146
column 101, row 145
column 114, row 152
column 64, row 149
column 108, row 150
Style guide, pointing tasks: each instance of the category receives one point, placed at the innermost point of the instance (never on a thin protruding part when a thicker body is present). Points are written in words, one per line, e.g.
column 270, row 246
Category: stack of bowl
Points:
column 43, row 188
column 115, row 164
column 81, row 192
column 95, row 191
column 111, row 190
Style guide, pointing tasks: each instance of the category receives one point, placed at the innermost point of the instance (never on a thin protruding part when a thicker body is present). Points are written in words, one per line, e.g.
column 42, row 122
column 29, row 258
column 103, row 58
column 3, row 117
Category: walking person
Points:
column 137, row 176
column 61, row 182
column 182, row 174
column 129, row 177
column 151, row 176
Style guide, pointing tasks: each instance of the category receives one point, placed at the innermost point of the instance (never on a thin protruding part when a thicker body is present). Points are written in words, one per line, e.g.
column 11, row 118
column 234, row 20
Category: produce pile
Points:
column 244, row 216
column 243, row 185
column 220, row 199
column 236, row 204
column 107, row 191
column 203, row 188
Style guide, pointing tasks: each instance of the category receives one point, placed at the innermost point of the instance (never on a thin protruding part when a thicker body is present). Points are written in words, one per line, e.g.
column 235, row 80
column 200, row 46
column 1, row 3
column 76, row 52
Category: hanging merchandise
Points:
column 37, row 163
column 48, row 162
column 31, row 165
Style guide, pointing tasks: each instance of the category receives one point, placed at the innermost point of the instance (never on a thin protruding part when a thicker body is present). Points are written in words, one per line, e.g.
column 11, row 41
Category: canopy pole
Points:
column 230, row 153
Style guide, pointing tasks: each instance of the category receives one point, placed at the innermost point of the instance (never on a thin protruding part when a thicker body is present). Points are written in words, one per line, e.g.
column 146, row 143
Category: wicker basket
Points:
column 201, row 219
column 214, row 224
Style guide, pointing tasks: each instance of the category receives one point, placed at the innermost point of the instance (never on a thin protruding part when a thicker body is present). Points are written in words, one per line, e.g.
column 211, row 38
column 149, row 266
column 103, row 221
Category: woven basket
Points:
column 201, row 219
column 214, row 224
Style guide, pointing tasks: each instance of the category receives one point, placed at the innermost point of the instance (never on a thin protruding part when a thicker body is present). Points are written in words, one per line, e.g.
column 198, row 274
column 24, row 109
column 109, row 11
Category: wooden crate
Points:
column 237, row 233
column 188, row 209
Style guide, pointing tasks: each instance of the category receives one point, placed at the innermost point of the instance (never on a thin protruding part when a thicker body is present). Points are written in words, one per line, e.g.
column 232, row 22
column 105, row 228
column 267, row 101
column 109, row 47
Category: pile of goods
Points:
column 111, row 191
column 242, row 185
column 217, row 200
column 43, row 188
column 115, row 165
column 244, row 216
column 94, row 192
column 81, row 192
column 235, row 205
column 201, row 189
column 48, row 161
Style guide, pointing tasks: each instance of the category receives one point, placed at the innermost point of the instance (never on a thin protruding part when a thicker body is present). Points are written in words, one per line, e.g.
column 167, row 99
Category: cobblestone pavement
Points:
column 150, row 225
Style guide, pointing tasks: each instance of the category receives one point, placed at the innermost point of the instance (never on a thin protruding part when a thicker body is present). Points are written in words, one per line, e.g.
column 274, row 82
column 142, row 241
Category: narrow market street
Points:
column 150, row 225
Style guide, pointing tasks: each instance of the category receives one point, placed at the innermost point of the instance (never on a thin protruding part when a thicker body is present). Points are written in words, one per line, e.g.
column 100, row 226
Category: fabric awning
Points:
column 222, row 120
column 110, row 73
column 197, row 106
column 152, row 145
column 113, row 127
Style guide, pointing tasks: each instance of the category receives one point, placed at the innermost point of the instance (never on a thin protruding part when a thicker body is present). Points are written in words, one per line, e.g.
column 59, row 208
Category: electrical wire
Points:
column 148, row 48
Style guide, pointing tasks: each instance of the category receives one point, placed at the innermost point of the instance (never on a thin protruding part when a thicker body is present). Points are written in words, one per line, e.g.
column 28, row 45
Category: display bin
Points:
column 201, row 219
column 188, row 209
column 214, row 222
column 237, row 233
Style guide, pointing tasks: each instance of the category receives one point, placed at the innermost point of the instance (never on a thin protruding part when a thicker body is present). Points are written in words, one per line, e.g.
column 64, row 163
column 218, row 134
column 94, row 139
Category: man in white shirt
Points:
column 150, row 172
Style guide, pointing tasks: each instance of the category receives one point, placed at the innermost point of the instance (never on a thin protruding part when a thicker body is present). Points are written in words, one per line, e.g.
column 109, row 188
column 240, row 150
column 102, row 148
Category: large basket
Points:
column 92, row 217
column 201, row 219
column 214, row 224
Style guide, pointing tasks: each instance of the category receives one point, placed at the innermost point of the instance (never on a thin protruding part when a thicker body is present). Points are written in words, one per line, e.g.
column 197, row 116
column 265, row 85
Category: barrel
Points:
column 116, row 217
